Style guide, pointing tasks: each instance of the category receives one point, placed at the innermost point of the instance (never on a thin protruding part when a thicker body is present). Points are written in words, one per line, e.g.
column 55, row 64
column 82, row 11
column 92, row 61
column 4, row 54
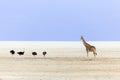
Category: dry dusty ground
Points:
column 59, row 68
column 64, row 61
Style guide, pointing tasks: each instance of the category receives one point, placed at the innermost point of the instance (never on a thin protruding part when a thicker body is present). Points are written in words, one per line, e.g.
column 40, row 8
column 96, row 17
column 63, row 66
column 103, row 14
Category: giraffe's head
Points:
column 82, row 38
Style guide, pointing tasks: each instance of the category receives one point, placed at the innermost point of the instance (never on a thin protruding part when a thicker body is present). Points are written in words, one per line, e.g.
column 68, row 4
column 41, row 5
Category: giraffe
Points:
column 89, row 48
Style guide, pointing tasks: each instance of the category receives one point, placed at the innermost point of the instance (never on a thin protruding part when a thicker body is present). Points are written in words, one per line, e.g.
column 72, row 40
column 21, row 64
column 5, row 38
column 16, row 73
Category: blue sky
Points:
column 59, row 20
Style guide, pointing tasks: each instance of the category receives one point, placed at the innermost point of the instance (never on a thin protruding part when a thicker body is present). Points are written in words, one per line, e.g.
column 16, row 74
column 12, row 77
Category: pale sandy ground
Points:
column 64, row 61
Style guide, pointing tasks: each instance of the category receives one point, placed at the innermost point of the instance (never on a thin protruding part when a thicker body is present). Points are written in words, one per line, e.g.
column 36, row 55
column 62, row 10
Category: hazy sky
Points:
column 59, row 20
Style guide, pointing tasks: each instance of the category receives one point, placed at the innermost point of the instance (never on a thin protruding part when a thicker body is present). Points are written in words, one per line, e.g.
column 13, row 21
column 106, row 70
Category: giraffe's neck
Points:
column 83, row 40
column 85, row 43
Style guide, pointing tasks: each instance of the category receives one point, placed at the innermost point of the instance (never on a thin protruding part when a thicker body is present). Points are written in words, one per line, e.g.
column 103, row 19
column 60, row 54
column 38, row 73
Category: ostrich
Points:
column 44, row 53
column 12, row 52
column 89, row 48
column 21, row 52
column 34, row 53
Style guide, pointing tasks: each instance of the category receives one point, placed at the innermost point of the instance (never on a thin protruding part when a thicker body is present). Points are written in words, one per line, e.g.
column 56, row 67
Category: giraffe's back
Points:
column 92, row 48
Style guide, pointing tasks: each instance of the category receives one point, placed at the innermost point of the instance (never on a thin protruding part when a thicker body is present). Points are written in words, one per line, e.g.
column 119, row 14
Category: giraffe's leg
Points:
column 87, row 52
column 94, row 55
column 94, row 52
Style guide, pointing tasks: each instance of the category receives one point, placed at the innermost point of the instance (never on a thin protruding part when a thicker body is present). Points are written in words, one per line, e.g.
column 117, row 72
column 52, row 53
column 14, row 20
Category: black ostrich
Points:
column 21, row 53
column 12, row 52
column 44, row 53
column 34, row 53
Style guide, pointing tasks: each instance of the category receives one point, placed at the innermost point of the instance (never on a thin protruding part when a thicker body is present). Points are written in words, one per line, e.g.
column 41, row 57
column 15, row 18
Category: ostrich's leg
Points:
column 44, row 56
